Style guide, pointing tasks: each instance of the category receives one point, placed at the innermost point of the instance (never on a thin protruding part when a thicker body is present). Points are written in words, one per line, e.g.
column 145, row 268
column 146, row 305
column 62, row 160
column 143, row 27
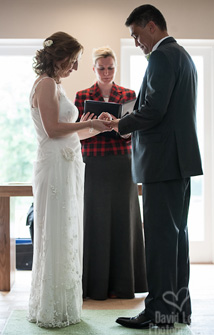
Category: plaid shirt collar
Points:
column 115, row 94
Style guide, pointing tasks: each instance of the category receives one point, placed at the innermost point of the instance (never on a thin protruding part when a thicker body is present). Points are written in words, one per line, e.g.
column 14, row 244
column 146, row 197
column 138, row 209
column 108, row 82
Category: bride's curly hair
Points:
column 57, row 47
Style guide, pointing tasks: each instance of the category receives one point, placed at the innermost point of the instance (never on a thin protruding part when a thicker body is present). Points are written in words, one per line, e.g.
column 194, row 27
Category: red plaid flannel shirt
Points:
column 100, row 145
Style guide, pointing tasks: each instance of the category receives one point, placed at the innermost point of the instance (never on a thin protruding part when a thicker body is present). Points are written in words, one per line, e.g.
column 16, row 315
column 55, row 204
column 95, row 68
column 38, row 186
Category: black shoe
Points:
column 142, row 321
column 184, row 319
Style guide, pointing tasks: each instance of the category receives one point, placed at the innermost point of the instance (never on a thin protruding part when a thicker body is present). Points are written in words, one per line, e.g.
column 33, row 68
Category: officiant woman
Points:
column 114, row 260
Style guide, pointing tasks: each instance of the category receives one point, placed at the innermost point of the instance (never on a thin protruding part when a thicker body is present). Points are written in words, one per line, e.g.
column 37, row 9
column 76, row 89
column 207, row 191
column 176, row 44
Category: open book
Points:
column 116, row 109
column 127, row 107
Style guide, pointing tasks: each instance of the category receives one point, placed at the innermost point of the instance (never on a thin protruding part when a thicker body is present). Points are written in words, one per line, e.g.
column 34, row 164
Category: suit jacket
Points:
column 104, row 144
column 164, row 140
column 118, row 94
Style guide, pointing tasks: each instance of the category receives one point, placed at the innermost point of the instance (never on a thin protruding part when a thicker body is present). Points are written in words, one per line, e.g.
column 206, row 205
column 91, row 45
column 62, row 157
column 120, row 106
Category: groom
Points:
column 165, row 154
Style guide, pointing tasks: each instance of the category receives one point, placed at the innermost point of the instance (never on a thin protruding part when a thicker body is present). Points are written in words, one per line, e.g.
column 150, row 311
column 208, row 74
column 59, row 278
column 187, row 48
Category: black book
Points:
column 117, row 109
column 98, row 107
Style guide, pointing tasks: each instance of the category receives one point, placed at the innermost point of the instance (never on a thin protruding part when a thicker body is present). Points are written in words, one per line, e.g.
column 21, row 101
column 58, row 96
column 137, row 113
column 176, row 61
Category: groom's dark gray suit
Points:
column 165, row 154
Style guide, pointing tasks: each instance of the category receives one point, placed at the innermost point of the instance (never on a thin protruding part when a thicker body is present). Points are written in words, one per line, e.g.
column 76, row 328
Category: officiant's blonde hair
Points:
column 101, row 52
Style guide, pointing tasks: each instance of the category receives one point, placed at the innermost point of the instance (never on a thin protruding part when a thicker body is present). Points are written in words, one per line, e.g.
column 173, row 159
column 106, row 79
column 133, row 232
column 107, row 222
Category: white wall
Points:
column 95, row 23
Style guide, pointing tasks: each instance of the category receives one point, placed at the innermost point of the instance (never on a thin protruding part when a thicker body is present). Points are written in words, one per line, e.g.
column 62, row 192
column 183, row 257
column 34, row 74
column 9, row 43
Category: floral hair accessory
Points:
column 47, row 43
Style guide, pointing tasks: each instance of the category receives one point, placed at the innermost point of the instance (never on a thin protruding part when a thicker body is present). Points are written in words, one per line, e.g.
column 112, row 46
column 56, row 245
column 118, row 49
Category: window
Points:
column 17, row 138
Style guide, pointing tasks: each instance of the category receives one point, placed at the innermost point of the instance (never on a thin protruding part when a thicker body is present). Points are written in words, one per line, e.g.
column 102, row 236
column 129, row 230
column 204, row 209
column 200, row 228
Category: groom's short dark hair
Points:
column 145, row 13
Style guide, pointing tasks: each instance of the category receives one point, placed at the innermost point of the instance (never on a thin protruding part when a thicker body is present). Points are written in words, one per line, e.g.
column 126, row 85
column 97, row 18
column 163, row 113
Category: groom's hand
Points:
column 114, row 123
column 105, row 116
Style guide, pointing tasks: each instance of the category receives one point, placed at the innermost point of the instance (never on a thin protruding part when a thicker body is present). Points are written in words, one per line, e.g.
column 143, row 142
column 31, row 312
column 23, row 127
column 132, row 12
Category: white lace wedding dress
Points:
column 56, row 288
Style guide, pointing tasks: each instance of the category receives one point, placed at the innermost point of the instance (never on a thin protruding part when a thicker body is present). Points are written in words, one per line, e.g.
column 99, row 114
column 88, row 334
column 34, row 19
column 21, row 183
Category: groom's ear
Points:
column 151, row 27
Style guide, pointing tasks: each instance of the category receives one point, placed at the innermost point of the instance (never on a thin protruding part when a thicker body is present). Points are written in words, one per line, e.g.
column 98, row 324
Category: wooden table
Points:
column 7, row 233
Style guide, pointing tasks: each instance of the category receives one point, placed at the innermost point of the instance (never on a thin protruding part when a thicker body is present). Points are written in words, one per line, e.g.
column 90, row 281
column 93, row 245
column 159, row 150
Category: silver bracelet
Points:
column 91, row 129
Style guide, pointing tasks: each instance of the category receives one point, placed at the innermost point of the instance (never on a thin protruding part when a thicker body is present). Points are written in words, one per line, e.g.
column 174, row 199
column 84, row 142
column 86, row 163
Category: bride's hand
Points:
column 88, row 116
column 101, row 125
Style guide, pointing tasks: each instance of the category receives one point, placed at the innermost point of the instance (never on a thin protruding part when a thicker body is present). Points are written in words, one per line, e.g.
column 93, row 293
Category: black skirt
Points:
column 113, row 257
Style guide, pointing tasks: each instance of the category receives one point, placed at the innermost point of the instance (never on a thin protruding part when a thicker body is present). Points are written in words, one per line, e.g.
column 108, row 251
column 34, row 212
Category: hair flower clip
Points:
column 47, row 43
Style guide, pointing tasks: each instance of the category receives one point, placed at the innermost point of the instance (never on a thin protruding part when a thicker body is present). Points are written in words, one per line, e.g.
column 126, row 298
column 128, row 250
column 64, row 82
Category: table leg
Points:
column 7, row 247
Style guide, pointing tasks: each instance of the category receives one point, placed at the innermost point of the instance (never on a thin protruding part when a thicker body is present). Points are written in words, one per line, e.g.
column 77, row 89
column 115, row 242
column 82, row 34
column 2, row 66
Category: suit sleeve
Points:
column 154, row 101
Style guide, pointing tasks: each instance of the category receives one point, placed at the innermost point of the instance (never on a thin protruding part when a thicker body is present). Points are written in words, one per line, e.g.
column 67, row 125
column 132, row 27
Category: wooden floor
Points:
column 201, row 287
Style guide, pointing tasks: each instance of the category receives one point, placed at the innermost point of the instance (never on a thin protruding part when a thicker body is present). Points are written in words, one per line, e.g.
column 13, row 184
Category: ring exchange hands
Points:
column 105, row 116
column 108, row 119
column 101, row 124
column 112, row 118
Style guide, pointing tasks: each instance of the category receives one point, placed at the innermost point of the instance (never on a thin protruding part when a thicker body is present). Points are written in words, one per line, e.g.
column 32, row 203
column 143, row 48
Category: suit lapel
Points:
column 95, row 93
column 115, row 95
column 141, row 93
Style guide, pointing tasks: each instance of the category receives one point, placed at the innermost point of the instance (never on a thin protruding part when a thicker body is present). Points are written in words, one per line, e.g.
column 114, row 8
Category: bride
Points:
column 56, row 288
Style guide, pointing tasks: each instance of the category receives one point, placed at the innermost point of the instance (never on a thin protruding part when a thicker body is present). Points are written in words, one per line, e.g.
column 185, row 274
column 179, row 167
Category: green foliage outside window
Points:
column 17, row 135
